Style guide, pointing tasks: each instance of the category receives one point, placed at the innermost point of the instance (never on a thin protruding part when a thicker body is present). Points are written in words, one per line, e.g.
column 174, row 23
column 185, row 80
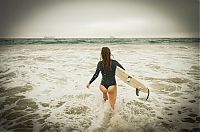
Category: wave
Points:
column 174, row 40
column 6, row 41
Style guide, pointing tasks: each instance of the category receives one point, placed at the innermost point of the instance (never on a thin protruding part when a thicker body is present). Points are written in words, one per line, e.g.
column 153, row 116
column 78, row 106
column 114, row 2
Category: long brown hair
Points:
column 105, row 54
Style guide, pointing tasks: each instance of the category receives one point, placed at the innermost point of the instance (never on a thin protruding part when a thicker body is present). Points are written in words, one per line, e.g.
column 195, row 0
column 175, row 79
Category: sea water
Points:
column 43, row 85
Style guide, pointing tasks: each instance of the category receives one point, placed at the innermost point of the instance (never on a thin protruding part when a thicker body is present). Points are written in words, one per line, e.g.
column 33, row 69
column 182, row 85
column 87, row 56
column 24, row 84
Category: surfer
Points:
column 108, row 85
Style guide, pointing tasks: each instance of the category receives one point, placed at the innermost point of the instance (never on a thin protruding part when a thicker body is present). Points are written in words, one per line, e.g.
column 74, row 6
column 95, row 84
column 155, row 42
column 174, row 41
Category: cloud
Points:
column 136, row 18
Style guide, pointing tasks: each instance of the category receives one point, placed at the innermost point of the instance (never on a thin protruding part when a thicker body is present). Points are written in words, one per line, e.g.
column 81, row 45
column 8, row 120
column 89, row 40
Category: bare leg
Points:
column 112, row 93
column 104, row 91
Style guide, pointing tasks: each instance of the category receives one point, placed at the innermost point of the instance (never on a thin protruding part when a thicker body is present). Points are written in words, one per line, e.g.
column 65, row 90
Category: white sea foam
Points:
column 58, row 74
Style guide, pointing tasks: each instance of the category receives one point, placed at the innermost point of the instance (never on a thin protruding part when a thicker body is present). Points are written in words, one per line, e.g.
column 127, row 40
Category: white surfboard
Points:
column 131, row 81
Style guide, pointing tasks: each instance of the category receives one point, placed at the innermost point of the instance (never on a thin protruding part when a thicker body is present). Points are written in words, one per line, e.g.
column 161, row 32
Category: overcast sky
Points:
column 99, row 18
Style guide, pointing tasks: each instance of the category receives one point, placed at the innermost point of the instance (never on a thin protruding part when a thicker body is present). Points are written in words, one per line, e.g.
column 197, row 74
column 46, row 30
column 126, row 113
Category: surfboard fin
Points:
column 148, row 95
column 137, row 92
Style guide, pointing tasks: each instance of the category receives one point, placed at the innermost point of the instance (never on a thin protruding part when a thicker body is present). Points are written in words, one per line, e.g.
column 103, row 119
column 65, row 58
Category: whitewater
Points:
column 43, row 88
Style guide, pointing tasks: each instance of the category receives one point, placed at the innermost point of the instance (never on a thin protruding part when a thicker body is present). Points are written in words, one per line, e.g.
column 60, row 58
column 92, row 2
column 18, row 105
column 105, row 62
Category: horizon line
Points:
column 93, row 37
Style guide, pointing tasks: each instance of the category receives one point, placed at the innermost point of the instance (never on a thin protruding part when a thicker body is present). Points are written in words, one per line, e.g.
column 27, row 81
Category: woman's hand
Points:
column 88, row 85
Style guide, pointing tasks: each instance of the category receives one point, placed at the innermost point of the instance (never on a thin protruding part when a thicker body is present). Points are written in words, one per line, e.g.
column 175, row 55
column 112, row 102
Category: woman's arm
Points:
column 118, row 64
column 96, row 74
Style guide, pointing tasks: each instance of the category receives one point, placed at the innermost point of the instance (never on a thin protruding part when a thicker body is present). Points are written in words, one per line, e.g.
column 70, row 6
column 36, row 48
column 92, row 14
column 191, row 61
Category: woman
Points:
column 108, row 84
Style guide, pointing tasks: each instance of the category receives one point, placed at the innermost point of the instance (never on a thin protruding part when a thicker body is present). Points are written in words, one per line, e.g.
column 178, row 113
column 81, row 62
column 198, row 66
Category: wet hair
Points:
column 106, row 58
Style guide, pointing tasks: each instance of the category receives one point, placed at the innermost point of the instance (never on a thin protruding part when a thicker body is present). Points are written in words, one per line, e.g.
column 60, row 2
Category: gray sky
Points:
column 99, row 18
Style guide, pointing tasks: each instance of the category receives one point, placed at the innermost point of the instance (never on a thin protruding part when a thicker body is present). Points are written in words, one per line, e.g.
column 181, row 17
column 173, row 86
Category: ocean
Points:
column 43, row 85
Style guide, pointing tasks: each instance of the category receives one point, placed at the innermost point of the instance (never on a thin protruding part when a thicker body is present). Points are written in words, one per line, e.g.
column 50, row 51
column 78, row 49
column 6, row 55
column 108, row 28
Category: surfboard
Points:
column 131, row 81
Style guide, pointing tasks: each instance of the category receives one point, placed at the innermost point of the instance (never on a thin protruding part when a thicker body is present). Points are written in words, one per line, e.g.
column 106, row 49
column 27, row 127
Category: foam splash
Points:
column 43, row 88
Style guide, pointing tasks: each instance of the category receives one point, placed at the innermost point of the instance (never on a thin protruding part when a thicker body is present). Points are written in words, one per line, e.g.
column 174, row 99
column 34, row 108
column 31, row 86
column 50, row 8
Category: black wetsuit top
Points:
column 108, row 76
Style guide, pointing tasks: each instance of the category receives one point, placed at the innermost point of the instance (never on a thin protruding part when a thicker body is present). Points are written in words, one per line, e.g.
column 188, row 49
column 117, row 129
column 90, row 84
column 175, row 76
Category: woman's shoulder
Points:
column 114, row 61
column 100, row 62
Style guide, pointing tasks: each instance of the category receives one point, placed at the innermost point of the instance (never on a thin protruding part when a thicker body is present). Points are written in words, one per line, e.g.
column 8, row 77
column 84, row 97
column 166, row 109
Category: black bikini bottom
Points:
column 107, row 84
